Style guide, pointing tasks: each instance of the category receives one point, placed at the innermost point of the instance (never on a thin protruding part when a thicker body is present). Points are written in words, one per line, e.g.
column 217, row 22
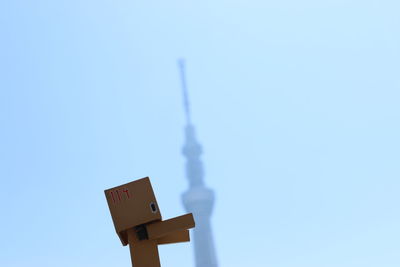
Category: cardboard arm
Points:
column 161, row 228
column 175, row 237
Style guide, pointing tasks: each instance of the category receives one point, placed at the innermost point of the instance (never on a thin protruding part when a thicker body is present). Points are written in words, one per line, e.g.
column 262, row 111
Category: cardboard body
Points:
column 144, row 252
column 137, row 220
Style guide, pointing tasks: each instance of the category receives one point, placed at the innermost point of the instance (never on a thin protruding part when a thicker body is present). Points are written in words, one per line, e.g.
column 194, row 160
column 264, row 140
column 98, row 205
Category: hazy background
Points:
column 296, row 104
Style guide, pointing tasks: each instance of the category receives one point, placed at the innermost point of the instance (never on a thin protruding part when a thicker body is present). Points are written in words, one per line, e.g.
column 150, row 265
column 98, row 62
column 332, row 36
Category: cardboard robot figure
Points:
column 137, row 220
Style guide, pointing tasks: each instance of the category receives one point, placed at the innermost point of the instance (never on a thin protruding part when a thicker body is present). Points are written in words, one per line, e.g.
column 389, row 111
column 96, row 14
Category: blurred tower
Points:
column 198, row 199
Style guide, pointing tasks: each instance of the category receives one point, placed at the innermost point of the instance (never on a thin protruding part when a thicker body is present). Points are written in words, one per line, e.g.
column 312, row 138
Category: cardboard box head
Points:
column 132, row 204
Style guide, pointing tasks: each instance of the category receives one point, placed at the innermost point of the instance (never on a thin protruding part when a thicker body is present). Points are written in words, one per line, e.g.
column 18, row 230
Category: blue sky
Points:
column 296, row 104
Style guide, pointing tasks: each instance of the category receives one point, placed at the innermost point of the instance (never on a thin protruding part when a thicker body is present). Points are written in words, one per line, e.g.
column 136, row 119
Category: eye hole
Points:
column 153, row 207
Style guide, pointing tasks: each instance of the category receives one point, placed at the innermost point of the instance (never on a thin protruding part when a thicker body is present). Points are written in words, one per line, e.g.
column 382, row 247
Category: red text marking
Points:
column 120, row 194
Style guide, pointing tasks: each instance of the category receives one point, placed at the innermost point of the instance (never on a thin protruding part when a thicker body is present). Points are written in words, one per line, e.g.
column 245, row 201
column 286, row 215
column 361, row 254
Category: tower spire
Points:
column 186, row 103
column 198, row 199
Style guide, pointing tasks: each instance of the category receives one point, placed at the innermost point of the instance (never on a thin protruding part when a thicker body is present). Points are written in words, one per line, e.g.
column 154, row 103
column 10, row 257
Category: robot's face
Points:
column 132, row 204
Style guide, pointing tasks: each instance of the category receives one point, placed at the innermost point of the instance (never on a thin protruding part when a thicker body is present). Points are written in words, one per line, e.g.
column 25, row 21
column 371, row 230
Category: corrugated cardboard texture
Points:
column 175, row 237
column 161, row 228
column 132, row 204
column 143, row 253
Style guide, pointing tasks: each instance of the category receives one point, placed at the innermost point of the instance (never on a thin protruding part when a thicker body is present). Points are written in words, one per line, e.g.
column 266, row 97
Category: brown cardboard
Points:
column 143, row 253
column 130, row 205
column 175, row 237
column 137, row 220
column 161, row 228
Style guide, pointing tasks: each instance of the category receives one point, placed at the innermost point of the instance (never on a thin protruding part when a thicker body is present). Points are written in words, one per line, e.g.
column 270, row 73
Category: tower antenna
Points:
column 186, row 104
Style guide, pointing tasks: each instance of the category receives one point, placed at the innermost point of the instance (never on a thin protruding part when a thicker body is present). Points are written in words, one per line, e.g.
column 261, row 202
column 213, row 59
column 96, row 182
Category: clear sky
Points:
column 295, row 102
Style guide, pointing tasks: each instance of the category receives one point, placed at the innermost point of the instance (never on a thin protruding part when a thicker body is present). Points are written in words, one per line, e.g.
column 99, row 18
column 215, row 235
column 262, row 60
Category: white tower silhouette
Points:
column 198, row 199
